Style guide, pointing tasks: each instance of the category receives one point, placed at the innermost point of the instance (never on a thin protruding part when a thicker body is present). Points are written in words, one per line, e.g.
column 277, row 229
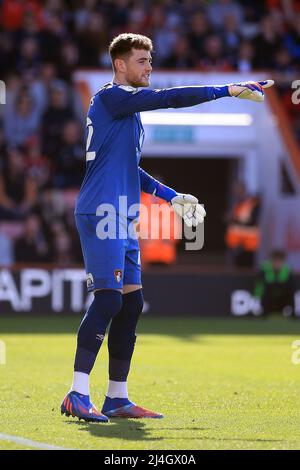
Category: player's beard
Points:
column 138, row 82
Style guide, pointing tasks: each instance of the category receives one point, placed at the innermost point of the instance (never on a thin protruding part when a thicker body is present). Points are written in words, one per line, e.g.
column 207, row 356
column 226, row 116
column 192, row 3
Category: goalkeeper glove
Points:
column 253, row 91
column 189, row 209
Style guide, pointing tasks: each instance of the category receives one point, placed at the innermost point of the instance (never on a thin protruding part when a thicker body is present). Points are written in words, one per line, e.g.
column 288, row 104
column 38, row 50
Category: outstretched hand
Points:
column 253, row 91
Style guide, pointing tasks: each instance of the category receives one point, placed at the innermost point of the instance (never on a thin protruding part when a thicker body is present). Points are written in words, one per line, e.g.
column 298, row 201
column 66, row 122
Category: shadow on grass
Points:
column 132, row 430
column 118, row 429
column 182, row 327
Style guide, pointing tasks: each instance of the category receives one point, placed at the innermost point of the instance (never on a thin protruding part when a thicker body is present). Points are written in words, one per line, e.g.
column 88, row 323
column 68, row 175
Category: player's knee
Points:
column 106, row 304
column 133, row 303
column 132, row 308
column 122, row 337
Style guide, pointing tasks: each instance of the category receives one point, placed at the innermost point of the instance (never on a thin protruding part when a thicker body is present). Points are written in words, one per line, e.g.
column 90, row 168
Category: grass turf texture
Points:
column 221, row 384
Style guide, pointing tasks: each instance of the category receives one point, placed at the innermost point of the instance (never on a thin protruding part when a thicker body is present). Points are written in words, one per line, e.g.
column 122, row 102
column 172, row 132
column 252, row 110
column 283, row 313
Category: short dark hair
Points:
column 122, row 45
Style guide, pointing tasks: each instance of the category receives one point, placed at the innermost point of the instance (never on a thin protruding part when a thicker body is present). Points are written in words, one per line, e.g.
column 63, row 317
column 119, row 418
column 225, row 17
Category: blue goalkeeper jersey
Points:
column 115, row 137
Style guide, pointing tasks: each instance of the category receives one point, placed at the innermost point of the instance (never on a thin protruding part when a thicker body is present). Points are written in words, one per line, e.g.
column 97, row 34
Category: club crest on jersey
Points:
column 118, row 274
column 89, row 280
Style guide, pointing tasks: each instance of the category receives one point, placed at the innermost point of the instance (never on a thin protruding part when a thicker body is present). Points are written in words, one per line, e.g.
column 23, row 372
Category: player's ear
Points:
column 120, row 65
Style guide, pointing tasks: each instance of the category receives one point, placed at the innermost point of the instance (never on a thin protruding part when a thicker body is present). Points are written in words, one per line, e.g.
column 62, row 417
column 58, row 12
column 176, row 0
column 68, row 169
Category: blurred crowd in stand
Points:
column 42, row 152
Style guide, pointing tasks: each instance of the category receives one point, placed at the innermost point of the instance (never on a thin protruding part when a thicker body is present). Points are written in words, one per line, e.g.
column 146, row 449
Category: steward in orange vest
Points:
column 159, row 231
column 243, row 232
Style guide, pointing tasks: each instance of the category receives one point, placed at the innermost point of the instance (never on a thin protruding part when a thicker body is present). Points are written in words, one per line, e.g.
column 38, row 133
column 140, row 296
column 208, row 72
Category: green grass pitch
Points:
column 221, row 384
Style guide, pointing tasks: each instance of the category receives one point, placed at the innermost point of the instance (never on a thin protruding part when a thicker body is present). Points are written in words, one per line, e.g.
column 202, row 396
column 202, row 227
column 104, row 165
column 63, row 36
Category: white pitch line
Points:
column 29, row 442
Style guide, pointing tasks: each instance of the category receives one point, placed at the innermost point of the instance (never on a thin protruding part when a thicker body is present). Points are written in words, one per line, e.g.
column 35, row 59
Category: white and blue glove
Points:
column 253, row 91
column 188, row 207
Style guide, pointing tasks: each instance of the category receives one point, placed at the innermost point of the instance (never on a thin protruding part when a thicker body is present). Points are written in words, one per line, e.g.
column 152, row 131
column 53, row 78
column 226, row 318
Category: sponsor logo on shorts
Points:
column 100, row 337
column 89, row 280
column 118, row 274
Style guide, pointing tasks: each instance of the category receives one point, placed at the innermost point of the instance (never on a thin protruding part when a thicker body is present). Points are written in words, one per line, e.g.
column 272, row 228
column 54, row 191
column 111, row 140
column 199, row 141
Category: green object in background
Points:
column 270, row 276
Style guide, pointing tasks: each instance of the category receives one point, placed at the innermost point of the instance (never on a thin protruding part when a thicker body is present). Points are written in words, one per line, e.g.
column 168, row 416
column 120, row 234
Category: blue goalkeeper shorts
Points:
column 112, row 261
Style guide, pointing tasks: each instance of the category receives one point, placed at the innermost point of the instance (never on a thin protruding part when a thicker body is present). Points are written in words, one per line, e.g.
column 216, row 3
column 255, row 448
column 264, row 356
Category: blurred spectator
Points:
column 163, row 37
column 265, row 44
column 231, row 35
column 6, row 251
column 275, row 285
column 181, row 57
column 82, row 14
column 32, row 246
column 284, row 68
column 214, row 58
column 62, row 245
column 92, row 39
column 58, row 220
column 51, row 204
column 244, row 61
column 38, row 166
column 54, row 118
column 13, row 86
column 69, row 59
column 2, row 145
column 76, row 253
column 219, row 9
column 18, row 191
column 70, row 158
column 63, row 248
column 7, row 53
column 136, row 19
column 40, row 86
column 31, row 27
column 199, row 30
column 29, row 57
column 55, row 7
column 243, row 231
column 14, row 11
column 52, row 37
column 22, row 119
column 119, row 15
column 292, row 38
column 12, row 14
column 253, row 11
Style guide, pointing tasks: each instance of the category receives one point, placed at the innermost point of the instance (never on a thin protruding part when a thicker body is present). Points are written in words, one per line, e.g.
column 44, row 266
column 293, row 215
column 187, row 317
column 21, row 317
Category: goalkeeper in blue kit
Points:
column 114, row 143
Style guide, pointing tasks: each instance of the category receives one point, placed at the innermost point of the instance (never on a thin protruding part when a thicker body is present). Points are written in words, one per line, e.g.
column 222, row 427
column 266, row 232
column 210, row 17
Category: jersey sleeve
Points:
column 152, row 186
column 122, row 100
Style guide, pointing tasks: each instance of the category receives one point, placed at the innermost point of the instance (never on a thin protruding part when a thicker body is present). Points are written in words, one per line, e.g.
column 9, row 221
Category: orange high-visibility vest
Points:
column 239, row 234
column 159, row 231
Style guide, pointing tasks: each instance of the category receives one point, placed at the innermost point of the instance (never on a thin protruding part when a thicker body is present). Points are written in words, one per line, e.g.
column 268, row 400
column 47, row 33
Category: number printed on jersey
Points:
column 90, row 155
